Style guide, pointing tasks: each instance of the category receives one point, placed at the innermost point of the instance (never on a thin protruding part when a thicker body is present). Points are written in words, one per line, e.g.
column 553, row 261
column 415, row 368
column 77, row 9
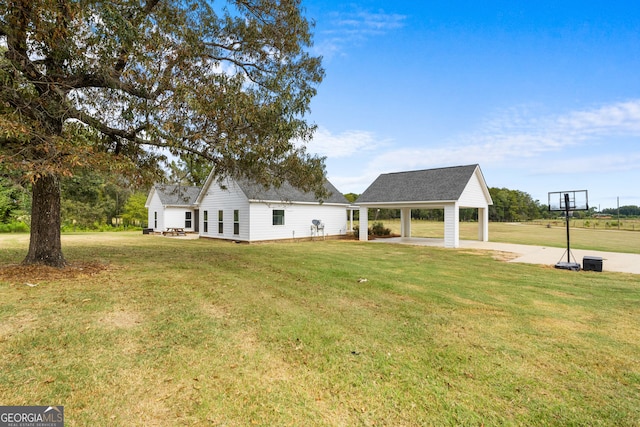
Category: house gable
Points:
column 475, row 194
column 150, row 197
column 155, row 212
column 224, row 211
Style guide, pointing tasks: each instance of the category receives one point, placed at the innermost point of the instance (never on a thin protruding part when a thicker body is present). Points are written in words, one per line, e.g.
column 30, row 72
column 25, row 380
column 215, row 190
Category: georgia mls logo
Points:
column 31, row 416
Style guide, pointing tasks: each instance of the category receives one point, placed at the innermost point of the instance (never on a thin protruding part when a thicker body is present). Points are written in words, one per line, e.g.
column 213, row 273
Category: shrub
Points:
column 378, row 229
column 14, row 227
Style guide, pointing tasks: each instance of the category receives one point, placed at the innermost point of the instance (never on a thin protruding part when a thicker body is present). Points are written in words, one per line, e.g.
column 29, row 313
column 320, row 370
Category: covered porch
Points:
column 451, row 221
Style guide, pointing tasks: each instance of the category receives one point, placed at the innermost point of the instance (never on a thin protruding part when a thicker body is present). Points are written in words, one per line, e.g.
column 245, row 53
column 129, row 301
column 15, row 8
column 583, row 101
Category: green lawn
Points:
column 200, row 332
column 541, row 233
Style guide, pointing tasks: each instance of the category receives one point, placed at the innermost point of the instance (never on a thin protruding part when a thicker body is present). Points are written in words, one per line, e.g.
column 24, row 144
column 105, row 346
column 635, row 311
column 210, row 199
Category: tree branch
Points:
column 16, row 35
column 121, row 62
column 131, row 135
column 92, row 80
column 159, row 144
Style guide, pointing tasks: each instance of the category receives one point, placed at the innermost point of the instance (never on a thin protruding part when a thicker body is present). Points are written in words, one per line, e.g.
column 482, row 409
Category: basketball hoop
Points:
column 567, row 201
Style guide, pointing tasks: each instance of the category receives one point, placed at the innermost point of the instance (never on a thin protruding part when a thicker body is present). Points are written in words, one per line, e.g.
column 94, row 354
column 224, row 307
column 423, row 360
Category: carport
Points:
column 450, row 188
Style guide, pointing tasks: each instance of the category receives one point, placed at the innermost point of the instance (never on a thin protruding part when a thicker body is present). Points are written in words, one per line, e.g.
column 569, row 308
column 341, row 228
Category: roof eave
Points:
column 407, row 203
column 295, row 202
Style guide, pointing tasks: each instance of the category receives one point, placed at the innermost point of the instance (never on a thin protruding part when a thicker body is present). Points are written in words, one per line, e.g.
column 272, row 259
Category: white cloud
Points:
column 344, row 144
column 572, row 143
column 354, row 28
column 621, row 118
column 514, row 138
column 600, row 163
column 365, row 23
column 353, row 184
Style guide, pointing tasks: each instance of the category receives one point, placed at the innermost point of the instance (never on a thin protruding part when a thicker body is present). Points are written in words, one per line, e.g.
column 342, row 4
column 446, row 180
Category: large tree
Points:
column 122, row 84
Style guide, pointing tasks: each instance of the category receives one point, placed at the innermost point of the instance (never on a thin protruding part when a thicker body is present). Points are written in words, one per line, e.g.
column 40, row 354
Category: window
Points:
column 187, row 220
column 278, row 217
column 205, row 221
column 220, row 222
column 155, row 220
column 236, row 222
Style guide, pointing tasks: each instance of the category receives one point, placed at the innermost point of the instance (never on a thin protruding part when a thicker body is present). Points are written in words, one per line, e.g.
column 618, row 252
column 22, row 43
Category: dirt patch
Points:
column 497, row 255
column 121, row 319
column 215, row 311
column 18, row 273
column 504, row 256
column 565, row 326
column 16, row 324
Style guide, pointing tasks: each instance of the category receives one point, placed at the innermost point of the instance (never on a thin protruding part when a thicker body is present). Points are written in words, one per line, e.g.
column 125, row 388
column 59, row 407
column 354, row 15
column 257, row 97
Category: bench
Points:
column 174, row 231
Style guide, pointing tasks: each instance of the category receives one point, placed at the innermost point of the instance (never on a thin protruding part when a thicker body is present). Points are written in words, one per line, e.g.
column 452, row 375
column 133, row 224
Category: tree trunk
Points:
column 44, row 245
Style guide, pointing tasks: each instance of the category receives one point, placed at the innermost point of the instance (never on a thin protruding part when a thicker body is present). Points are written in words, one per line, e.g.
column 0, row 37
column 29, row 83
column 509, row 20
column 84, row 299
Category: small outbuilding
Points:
column 449, row 188
column 172, row 206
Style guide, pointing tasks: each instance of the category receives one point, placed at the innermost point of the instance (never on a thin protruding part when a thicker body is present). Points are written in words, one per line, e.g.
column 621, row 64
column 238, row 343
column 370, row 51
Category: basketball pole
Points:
column 566, row 215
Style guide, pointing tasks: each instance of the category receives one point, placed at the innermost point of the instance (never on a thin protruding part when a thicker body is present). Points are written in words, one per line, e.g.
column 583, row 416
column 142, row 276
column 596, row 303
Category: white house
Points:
column 237, row 209
column 448, row 188
column 172, row 206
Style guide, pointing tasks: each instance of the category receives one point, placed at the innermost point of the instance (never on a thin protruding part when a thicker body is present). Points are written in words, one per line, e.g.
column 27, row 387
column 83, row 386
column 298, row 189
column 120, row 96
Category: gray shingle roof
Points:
column 288, row 193
column 177, row 195
column 429, row 185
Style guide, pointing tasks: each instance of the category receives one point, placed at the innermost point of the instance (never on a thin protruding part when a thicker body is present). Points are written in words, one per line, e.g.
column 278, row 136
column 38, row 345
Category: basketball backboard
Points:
column 574, row 200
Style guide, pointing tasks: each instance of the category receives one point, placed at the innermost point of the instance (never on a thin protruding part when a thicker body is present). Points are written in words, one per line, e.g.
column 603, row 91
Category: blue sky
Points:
column 545, row 96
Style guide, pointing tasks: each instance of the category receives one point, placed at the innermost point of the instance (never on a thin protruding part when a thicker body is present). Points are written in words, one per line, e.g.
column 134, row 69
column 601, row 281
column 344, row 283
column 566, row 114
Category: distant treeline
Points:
column 89, row 201
column 625, row 211
column 514, row 205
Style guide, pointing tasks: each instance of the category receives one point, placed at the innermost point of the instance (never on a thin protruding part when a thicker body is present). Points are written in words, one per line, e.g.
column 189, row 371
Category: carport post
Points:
column 364, row 224
column 451, row 225
column 483, row 224
column 405, row 222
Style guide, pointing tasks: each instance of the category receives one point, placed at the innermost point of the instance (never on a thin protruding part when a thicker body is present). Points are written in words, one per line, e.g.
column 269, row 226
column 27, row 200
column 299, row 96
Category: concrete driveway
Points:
column 611, row 261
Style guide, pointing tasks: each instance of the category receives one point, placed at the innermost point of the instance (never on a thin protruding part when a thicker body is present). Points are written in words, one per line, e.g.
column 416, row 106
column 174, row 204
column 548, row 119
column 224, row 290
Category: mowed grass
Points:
column 199, row 332
column 528, row 233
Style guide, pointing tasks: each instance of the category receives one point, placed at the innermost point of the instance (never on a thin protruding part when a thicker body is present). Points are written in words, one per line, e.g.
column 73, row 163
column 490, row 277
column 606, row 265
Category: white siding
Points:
column 167, row 217
column 256, row 218
column 155, row 206
column 297, row 220
column 175, row 218
column 451, row 226
column 227, row 200
column 473, row 195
